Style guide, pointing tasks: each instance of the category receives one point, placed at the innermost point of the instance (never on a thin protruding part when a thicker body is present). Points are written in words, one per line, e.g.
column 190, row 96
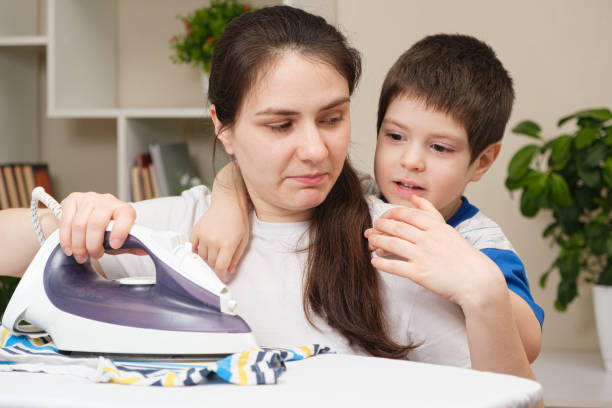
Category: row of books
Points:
column 17, row 180
column 165, row 170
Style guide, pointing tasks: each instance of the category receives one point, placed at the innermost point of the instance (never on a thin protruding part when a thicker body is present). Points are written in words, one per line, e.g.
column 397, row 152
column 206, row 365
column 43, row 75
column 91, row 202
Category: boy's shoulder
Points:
column 481, row 231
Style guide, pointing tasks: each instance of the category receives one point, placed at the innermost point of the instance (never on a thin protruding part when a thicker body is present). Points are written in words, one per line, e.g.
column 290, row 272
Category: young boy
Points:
column 442, row 113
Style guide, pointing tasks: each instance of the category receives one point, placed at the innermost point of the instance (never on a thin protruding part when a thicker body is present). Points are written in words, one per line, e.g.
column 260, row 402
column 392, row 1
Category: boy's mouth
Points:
column 408, row 186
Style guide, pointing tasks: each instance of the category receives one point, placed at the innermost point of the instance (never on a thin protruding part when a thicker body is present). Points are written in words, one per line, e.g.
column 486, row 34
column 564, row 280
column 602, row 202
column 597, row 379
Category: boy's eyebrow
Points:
column 285, row 112
column 436, row 134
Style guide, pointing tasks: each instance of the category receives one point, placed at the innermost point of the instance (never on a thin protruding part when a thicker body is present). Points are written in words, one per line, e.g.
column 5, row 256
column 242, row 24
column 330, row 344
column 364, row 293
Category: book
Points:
column 136, row 178
column 172, row 161
column 144, row 161
column 4, row 200
column 42, row 177
column 146, row 183
column 154, row 182
column 11, row 187
column 28, row 176
column 21, row 189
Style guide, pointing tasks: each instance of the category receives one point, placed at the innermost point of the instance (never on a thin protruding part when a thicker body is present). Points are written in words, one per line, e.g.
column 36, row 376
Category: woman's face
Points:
column 291, row 137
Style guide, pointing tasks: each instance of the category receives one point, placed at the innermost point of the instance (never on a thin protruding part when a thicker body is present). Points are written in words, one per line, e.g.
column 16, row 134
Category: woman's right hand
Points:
column 85, row 217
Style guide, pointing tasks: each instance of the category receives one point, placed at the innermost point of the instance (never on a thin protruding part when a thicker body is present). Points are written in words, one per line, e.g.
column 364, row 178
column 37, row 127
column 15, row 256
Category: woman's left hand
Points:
column 433, row 254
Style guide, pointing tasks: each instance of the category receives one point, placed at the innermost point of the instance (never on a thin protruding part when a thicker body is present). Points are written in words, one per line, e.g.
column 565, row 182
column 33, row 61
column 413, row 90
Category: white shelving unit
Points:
column 80, row 47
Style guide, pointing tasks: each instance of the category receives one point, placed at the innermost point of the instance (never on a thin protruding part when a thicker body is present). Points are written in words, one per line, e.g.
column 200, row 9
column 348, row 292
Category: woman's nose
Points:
column 413, row 159
column 312, row 146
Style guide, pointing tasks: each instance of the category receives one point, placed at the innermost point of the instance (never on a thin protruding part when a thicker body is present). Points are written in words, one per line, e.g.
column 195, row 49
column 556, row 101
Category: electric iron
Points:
column 184, row 311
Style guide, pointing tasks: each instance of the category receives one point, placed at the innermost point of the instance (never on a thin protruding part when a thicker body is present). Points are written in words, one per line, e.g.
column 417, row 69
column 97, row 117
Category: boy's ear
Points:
column 222, row 133
column 485, row 160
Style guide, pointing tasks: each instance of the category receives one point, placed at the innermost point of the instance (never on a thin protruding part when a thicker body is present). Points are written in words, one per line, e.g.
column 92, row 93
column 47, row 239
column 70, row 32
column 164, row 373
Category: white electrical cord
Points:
column 39, row 194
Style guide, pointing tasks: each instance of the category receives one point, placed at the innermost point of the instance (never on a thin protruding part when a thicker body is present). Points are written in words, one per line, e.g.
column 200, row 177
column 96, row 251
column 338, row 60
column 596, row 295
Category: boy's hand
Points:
column 434, row 255
column 222, row 233
column 220, row 238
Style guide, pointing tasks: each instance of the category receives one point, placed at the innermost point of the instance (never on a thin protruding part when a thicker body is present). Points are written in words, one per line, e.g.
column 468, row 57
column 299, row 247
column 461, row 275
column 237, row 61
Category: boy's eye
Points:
column 280, row 127
column 441, row 148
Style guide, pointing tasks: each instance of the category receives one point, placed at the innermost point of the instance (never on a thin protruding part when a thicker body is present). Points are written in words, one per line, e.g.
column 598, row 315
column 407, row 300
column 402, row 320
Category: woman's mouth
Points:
column 310, row 179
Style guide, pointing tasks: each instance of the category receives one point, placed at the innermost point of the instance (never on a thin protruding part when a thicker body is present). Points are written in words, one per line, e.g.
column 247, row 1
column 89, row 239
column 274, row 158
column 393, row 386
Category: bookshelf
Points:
column 78, row 44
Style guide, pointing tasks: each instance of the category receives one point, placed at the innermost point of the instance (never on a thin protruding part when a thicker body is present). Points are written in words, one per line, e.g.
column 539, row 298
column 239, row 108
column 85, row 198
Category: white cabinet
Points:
column 90, row 60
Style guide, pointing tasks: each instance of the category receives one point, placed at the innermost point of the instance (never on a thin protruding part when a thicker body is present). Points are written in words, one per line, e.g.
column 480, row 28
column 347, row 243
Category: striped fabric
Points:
column 256, row 366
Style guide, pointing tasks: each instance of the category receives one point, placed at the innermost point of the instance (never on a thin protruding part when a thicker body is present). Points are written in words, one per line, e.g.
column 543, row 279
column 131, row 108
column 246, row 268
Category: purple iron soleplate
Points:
column 172, row 303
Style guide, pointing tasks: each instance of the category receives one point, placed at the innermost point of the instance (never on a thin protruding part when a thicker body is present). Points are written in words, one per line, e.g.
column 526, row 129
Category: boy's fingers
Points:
column 203, row 252
column 396, row 267
column 413, row 216
column 393, row 246
column 223, row 261
column 398, row 229
column 212, row 256
column 237, row 255
column 425, row 205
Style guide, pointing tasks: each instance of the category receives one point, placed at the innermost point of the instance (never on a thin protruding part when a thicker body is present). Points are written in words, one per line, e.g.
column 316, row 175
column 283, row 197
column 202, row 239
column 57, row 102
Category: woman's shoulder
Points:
column 378, row 206
column 177, row 213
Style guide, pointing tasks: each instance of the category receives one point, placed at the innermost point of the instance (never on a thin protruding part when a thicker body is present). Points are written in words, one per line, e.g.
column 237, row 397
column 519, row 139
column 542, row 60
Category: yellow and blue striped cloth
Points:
column 256, row 366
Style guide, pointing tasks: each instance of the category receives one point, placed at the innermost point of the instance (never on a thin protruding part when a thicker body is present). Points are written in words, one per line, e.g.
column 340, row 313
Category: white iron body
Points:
column 73, row 330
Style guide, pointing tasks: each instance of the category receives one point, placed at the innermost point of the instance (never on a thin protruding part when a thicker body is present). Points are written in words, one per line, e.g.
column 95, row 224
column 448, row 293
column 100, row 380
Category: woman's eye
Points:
column 395, row 137
column 332, row 121
column 281, row 126
column 441, row 148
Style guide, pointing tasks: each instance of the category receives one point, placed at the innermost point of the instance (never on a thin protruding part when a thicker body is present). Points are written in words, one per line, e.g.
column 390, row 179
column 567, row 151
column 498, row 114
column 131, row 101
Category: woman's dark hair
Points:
column 340, row 283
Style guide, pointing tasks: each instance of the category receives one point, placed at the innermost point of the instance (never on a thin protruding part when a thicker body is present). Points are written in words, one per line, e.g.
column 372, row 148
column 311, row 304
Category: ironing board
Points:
column 325, row 380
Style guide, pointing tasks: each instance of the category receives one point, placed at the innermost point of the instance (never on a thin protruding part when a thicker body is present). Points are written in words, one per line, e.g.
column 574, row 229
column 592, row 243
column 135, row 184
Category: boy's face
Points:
column 424, row 152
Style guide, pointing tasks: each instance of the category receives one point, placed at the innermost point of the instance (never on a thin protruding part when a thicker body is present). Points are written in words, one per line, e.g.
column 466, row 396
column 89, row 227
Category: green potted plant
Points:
column 571, row 177
column 203, row 28
column 7, row 287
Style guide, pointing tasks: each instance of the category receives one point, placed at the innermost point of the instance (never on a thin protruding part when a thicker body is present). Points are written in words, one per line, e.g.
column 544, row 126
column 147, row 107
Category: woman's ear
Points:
column 484, row 161
column 223, row 133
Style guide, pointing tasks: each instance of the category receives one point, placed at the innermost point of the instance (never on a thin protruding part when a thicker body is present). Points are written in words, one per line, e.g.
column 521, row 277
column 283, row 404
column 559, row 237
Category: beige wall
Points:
column 560, row 57
column 557, row 51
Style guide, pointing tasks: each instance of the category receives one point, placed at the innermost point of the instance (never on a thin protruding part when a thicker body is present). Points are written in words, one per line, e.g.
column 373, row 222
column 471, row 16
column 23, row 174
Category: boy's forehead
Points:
column 413, row 112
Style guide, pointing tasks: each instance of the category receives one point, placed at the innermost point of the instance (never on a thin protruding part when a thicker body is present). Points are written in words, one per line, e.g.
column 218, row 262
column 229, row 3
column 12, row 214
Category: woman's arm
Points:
column 18, row 241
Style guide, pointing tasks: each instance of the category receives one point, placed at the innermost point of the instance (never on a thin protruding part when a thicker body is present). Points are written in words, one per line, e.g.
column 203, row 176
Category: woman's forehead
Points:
column 294, row 81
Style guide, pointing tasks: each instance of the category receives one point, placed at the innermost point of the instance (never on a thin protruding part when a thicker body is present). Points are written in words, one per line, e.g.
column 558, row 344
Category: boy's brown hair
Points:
column 458, row 75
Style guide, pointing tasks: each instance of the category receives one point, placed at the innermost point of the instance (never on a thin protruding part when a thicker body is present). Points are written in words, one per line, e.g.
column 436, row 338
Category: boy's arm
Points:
column 528, row 326
column 18, row 241
column 429, row 248
column 222, row 233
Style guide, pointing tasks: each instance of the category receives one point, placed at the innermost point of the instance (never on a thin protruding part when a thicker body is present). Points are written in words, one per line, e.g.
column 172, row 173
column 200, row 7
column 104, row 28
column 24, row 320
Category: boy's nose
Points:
column 312, row 147
column 413, row 160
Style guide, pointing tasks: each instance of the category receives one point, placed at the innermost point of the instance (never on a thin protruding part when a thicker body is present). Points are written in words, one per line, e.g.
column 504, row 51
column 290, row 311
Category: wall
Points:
column 560, row 57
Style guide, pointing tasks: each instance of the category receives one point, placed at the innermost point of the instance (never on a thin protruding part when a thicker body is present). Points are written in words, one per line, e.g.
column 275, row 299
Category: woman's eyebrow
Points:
column 286, row 112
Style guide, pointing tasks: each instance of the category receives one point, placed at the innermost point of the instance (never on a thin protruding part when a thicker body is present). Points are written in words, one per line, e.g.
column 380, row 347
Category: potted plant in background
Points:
column 7, row 287
column 571, row 176
column 203, row 28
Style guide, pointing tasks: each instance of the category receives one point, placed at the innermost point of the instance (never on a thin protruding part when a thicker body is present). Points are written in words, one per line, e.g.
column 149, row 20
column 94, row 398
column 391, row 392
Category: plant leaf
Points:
column 607, row 139
column 607, row 171
column 560, row 148
column 544, row 279
column 596, row 153
column 601, row 115
column 520, row 162
column 529, row 204
column 591, row 177
column 528, row 128
column 585, row 137
column 559, row 191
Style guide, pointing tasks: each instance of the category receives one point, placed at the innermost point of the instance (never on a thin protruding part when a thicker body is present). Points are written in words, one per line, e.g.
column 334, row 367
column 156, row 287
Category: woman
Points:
column 280, row 86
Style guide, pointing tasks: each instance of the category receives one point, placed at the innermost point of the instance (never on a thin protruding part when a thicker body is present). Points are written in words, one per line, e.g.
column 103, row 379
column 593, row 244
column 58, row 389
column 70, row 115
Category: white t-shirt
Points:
column 268, row 286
